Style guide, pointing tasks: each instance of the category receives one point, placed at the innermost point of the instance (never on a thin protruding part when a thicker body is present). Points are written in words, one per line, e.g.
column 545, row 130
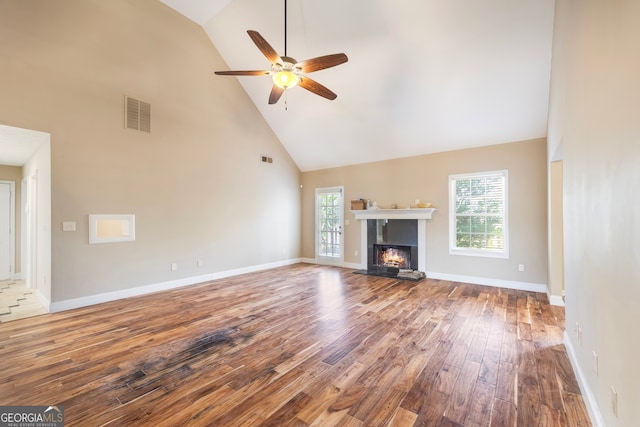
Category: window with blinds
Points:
column 478, row 223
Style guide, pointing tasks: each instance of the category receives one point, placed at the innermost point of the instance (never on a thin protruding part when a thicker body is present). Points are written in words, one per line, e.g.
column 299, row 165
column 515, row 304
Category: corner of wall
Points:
column 589, row 398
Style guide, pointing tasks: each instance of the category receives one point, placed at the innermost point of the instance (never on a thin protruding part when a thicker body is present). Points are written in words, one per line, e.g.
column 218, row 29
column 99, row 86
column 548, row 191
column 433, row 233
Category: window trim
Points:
column 453, row 250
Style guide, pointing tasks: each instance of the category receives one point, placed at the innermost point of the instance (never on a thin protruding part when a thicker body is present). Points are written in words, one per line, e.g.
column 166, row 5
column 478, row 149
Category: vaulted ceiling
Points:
column 423, row 76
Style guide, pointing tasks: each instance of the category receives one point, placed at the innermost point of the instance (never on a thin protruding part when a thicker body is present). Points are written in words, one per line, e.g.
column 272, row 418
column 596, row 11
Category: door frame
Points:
column 339, row 261
column 31, row 230
column 36, row 247
column 12, row 228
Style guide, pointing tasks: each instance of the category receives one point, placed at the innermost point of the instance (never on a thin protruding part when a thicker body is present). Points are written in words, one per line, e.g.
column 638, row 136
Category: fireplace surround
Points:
column 393, row 239
column 414, row 235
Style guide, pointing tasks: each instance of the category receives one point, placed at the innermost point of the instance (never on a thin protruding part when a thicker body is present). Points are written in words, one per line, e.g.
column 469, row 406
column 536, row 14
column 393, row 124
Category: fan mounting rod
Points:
column 285, row 29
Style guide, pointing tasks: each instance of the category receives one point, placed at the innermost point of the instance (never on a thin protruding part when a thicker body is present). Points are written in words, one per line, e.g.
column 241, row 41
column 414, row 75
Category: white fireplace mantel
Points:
column 413, row 213
column 420, row 214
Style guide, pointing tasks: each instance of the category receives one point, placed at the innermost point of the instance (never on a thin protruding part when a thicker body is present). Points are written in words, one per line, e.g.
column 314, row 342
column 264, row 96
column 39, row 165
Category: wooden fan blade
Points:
column 243, row 73
column 317, row 88
column 322, row 62
column 276, row 93
column 264, row 47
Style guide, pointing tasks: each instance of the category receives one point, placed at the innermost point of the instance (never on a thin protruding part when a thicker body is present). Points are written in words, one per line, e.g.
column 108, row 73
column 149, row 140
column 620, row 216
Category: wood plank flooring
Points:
column 302, row 345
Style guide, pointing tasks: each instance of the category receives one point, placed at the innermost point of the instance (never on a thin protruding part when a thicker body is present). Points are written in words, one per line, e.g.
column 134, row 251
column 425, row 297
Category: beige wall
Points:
column 594, row 110
column 402, row 181
column 195, row 183
column 14, row 173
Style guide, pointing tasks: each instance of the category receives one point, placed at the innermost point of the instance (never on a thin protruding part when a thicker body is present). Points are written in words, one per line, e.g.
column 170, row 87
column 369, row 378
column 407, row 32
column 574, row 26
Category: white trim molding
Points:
column 70, row 304
column 587, row 394
column 351, row 265
column 57, row 306
column 555, row 299
column 43, row 300
column 504, row 215
column 419, row 214
column 485, row 281
column 12, row 228
column 410, row 213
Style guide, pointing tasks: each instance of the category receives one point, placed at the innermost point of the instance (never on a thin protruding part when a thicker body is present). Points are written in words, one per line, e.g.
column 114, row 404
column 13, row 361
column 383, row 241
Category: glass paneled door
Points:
column 329, row 220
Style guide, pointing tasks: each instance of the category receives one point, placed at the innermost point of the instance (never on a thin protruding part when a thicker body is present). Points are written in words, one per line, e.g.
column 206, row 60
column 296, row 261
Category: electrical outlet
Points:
column 174, row 266
column 355, row 252
column 199, row 263
column 520, row 267
column 614, row 401
column 595, row 363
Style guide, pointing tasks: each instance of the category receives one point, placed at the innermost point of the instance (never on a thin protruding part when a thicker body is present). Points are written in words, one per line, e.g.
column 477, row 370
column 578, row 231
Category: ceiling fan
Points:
column 286, row 72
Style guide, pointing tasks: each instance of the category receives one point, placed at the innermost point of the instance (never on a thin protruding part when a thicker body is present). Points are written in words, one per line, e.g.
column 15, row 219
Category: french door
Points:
column 329, row 224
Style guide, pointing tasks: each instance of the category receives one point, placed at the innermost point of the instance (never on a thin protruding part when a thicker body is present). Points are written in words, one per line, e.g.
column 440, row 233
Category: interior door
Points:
column 329, row 225
column 6, row 231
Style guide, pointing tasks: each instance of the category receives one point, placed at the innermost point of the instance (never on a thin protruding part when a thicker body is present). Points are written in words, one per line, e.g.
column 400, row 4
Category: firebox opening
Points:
column 394, row 256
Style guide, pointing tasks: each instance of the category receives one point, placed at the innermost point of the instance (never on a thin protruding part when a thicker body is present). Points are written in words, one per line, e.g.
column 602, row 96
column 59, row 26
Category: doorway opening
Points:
column 29, row 152
column 329, row 224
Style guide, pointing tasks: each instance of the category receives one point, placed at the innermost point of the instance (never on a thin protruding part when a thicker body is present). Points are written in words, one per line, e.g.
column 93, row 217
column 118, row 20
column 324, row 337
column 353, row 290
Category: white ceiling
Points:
column 423, row 76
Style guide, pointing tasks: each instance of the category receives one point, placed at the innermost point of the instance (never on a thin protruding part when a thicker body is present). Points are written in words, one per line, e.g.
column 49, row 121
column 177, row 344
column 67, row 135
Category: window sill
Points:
column 479, row 253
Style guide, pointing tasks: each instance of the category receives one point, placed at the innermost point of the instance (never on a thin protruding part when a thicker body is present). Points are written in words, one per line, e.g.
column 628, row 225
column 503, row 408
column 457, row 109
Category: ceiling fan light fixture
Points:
column 285, row 71
column 285, row 79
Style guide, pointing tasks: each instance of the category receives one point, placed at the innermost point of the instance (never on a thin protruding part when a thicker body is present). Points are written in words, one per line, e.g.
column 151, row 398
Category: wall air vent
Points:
column 137, row 114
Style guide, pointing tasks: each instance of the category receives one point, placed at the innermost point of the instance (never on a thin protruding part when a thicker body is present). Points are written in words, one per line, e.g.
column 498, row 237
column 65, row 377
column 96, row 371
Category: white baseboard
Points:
column 587, row 394
column 352, row 265
column 509, row 284
column 555, row 299
column 57, row 306
column 43, row 300
column 499, row 283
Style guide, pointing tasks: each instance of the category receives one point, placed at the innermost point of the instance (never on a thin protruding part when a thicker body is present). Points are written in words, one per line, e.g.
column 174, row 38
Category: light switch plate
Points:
column 69, row 226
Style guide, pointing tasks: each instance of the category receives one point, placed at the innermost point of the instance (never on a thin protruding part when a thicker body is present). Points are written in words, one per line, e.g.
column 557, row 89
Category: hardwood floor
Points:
column 297, row 346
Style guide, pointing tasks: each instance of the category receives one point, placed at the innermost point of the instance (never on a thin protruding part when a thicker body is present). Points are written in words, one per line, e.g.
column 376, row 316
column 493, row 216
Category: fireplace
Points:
column 395, row 256
column 397, row 227
column 392, row 245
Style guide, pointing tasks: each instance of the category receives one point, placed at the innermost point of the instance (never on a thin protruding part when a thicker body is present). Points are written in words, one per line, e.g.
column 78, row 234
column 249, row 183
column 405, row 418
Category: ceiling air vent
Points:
column 137, row 114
